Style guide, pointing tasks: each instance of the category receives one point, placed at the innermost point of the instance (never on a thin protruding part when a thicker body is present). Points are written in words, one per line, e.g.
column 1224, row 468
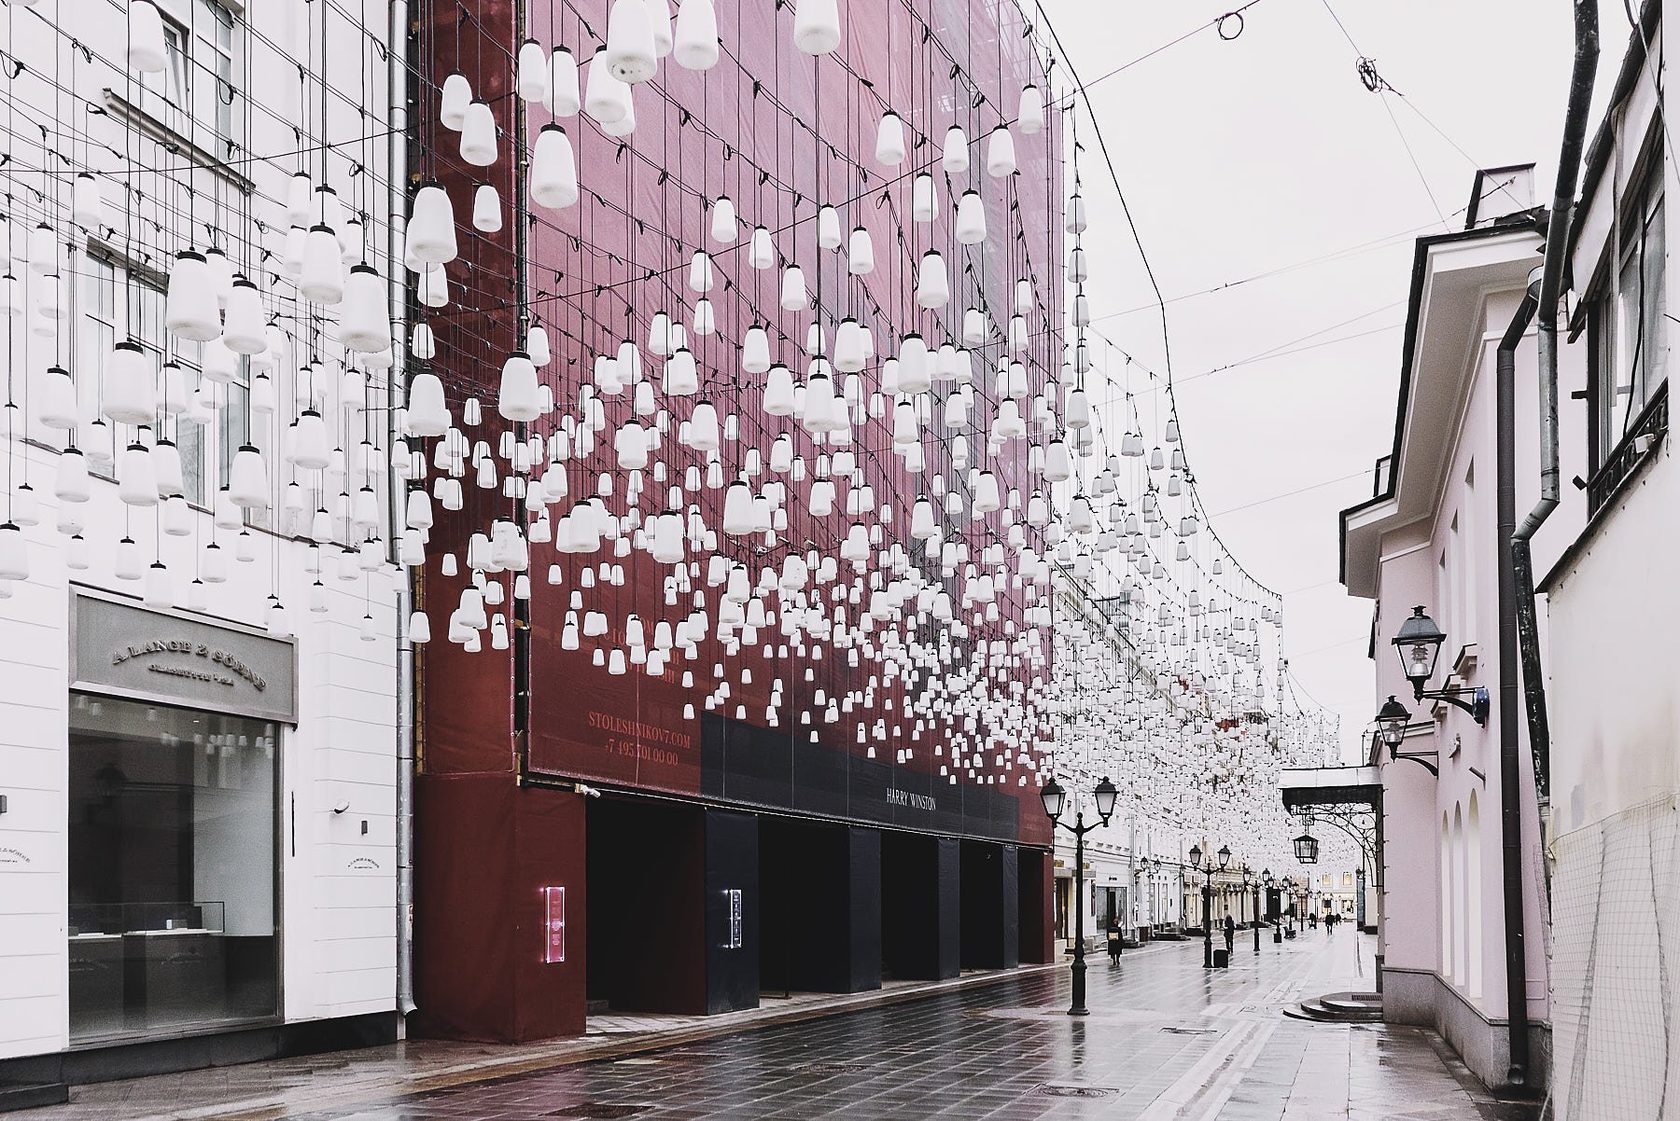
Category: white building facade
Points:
column 199, row 703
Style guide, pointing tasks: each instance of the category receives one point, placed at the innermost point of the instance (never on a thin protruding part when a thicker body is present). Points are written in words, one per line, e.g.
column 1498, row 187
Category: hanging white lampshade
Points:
column 971, row 219
column 793, row 288
column 322, row 278
column 626, row 124
column 431, row 226
column 478, row 134
column 761, row 250
column 248, row 479
column 245, row 330
column 816, row 26
column 695, row 37
column 755, row 350
column 701, row 277
column 533, row 72
column 889, row 140
column 130, row 389
column 433, row 287
column 487, row 209
column 519, row 399
column 136, row 484
column 849, row 348
column 562, row 96
column 630, row 52
column 14, row 553
column 724, row 229
column 933, row 285
column 311, row 446
column 147, row 51
column 363, row 322
column 166, row 468
column 860, row 253
column 456, row 95
column 87, row 205
column 58, row 407
column 71, row 482
column 682, row 376
column 605, row 97
column 1000, row 153
column 924, row 198
column 1030, row 112
column 779, row 396
column 954, row 154
column 190, row 309
column 554, row 181
column 829, row 235
column 914, row 375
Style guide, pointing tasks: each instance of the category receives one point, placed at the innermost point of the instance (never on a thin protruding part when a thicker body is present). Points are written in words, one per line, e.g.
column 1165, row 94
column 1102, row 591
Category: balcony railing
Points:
column 1630, row 452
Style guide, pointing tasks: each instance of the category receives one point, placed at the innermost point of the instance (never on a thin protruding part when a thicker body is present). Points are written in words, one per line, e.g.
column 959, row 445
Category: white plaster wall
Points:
column 338, row 916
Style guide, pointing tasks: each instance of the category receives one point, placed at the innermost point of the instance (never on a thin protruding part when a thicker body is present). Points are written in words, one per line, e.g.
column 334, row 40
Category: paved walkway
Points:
column 1165, row 1041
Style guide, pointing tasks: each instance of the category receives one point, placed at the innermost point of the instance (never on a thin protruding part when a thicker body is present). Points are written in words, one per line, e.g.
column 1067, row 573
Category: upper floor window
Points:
column 1629, row 320
column 193, row 96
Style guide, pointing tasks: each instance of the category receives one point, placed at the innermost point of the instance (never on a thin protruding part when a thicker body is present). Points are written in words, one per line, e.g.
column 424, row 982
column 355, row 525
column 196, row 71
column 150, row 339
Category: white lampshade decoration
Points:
column 478, row 134
column 136, row 483
column 248, row 479
column 971, row 219
column 245, row 329
column 860, row 253
column 1029, row 114
column 889, row 140
column 166, row 468
column 755, row 350
column 532, row 72
column 363, row 315
column 695, row 35
column 311, row 446
column 87, row 204
column 190, row 309
column 14, row 553
column 71, row 482
column 456, row 95
column 631, row 54
column 924, row 198
column 322, row 279
column 519, row 398
column 554, row 181
column 1000, row 153
column 562, row 97
column 793, row 288
column 933, row 285
column 130, row 389
column 431, row 226
column 816, row 26
column 914, row 375
column 829, row 234
column 953, row 154
column 433, row 287
column 761, row 250
column 701, row 276
column 58, row 407
column 487, row 209
column 725, row 228
column 605, row 97
column 147, row 51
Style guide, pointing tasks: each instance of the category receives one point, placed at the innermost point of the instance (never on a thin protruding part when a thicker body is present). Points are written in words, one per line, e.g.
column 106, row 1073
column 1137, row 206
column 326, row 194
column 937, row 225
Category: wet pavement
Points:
column 1165, row 1041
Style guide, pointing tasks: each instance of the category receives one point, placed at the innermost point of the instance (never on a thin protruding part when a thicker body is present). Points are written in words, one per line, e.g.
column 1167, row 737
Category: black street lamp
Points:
column 1418, row 642
column 1207, row 870
column 1055, row 800
column 1393, row 719
column 1306, row 849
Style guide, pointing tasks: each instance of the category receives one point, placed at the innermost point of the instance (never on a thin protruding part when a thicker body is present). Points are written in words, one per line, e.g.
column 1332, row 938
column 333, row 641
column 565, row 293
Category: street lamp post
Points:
column 1055, row 800
column 1207, row 871
column 1265, row 878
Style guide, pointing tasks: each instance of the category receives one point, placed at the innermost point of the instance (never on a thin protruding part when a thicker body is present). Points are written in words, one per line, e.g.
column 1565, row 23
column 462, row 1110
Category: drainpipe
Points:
column 1551, row 285
column 397, row 176
column 1518, row 628
column 1510, row 785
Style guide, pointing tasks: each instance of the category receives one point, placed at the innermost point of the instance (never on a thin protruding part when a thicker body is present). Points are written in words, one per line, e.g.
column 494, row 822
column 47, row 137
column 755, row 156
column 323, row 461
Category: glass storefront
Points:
column 172, row 843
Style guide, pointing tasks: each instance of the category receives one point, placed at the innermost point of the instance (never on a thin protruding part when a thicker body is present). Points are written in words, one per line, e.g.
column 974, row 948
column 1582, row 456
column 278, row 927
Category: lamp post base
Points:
column 1078, row 1006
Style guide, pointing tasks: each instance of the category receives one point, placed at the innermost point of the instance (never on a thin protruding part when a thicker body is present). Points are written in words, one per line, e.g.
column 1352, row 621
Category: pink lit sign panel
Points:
column 554, row 925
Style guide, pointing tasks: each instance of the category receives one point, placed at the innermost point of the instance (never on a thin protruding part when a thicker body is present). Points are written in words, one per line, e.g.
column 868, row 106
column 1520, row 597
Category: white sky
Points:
column 1240, row 157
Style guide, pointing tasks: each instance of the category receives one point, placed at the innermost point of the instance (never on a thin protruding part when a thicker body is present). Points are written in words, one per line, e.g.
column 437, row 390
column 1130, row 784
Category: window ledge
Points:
column 1636, row 445
column 129, row 113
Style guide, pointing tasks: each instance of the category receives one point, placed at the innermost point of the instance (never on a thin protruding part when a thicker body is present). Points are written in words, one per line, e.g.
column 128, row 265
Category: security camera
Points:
column 586, row 791
column 341, row 807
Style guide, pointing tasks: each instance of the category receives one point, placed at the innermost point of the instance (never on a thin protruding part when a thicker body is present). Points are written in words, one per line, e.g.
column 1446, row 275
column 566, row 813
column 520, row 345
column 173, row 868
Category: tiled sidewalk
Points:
column 1165, row 1041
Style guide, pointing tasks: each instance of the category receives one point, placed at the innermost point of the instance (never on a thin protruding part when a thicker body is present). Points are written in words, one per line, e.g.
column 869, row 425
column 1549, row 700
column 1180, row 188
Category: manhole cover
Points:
column 593, row 1110
column 825, row 1070
column 1055, row 1091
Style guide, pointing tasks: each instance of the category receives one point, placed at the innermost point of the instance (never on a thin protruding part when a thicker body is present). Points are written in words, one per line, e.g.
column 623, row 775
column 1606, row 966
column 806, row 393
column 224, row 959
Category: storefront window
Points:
column 172, row 869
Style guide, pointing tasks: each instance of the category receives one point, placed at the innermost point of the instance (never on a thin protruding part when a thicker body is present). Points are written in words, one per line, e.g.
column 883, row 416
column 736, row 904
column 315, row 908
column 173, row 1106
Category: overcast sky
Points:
column 1244, row 157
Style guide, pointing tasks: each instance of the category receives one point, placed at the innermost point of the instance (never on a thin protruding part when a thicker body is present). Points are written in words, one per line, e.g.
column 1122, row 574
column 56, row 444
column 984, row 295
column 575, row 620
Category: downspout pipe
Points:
column 1558, row 226
column 1510, row 753
column 397, row 47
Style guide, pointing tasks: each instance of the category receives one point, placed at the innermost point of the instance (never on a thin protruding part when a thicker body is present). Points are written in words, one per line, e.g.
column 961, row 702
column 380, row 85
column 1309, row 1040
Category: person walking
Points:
column 1230, row 933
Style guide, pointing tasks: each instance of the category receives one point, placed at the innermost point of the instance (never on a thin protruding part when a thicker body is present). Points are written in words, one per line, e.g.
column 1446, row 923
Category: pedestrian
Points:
column 1230, row 933
column 1312, row 920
